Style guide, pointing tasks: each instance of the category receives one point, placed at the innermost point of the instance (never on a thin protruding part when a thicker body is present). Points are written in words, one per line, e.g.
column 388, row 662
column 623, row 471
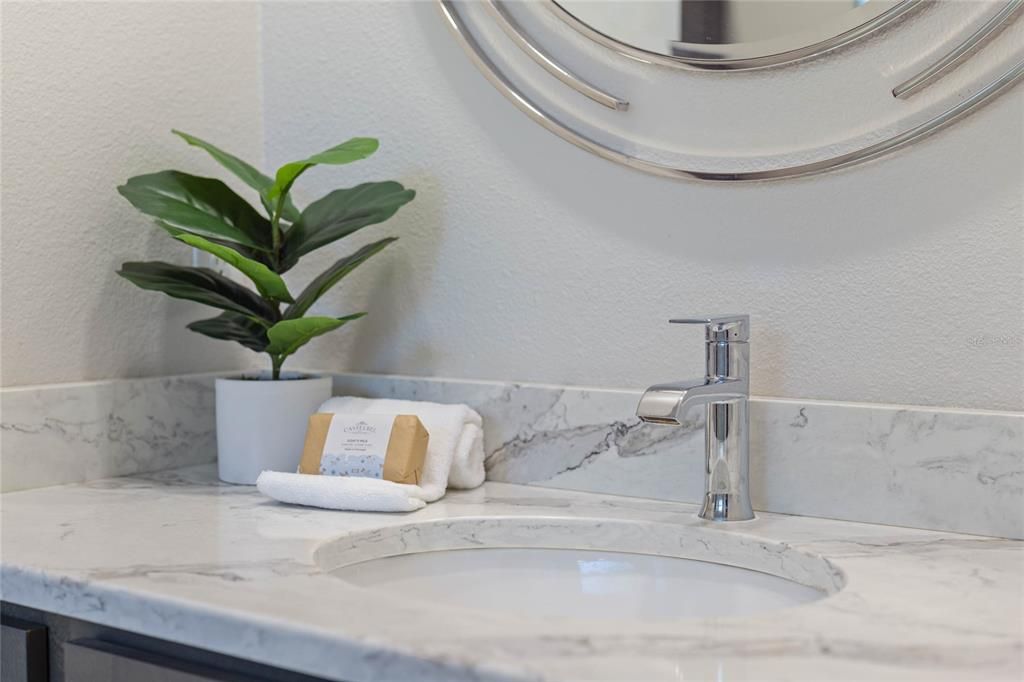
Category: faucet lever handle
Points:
column 719, row 328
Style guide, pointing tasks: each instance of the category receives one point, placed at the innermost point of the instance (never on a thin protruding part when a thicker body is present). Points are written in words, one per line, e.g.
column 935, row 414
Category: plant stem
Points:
column 275, row 366
column 275, row 228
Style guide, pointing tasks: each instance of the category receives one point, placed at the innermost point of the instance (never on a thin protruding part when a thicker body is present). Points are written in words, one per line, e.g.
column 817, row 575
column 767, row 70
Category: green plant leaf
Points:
column 287, row 336
column 201, row 285
column 341, row 213
column 331, row 276
column 230, row 326
column 203, row 206
column 251, row 253
column 356, row 149
column 245, row 172
column 268, row 282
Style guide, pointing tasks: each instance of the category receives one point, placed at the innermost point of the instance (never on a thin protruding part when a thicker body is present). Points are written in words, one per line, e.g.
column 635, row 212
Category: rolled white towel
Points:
column 340, row 492
column 455, row 452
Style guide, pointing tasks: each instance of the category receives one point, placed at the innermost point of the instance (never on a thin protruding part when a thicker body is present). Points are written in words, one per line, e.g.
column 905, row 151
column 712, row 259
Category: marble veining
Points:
column 178, row 556
column 930, row 468
column 66, row 433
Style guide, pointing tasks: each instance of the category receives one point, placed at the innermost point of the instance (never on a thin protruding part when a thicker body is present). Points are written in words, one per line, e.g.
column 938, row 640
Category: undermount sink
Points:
column 581, row 568
column 571, row 583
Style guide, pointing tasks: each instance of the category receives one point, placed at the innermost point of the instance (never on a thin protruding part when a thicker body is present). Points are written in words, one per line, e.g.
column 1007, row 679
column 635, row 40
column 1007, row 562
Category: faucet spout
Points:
column 668, row 403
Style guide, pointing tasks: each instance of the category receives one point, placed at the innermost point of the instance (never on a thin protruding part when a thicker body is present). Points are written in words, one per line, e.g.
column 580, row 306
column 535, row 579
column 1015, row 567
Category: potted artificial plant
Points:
column 261, row 418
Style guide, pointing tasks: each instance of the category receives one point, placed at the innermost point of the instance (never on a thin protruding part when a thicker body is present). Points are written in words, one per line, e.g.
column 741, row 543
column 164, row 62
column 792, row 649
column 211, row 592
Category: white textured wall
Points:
column 90, row 93
column 524, row 258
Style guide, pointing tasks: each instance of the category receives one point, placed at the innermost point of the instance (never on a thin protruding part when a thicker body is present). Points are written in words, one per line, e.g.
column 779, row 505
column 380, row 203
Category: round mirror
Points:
column 591, row 72
column 726, row 33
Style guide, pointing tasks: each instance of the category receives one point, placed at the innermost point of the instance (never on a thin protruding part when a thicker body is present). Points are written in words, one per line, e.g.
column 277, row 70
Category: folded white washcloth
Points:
column 339, row 492
column 455, row 457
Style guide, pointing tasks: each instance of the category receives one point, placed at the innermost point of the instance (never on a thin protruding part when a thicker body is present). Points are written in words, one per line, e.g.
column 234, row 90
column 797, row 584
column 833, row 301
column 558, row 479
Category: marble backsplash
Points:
column 940, row 469
column 69, row 433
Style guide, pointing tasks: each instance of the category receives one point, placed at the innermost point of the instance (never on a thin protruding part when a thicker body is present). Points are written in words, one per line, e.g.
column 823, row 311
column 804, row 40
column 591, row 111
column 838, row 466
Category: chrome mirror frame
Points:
column 856, row 24
column 940, row 67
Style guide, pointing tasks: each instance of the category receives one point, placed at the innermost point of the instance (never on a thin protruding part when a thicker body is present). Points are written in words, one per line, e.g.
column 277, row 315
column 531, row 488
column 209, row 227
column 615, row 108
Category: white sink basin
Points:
column 581, row 568
column 573, row 583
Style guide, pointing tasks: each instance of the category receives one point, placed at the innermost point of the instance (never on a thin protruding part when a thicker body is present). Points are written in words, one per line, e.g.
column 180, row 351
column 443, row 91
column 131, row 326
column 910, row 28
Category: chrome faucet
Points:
column 725, row 392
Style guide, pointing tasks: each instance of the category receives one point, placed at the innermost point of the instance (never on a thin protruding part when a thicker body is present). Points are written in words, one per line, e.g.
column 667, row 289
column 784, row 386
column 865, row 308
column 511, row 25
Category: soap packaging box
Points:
column 386, row 446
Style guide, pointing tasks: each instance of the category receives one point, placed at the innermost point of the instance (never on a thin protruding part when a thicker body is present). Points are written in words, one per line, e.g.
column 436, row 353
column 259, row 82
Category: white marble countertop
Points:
column 177, row 556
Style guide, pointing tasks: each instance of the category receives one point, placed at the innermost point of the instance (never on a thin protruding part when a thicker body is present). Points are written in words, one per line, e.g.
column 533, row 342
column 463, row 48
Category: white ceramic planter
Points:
column 261, row 424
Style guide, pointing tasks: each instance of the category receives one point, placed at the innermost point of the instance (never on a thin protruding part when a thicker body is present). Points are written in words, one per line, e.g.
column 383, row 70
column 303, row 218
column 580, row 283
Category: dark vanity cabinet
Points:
column 44, row 647
column 93, row 660
column 23, row 651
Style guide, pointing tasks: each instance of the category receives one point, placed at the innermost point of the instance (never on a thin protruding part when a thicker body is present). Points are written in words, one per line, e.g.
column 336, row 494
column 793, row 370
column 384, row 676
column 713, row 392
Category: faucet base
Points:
column 725, row 507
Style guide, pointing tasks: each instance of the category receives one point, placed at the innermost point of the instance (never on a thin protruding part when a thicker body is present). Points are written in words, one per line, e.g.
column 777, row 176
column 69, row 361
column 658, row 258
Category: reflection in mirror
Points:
column 723, row 29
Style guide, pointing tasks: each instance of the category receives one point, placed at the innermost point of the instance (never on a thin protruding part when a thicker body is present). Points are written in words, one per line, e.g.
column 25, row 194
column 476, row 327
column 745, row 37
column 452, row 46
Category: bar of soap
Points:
column 388, row 446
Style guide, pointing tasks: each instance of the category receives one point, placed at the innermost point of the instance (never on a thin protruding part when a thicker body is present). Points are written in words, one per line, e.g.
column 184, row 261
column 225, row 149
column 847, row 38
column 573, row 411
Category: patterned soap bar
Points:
column 344, row 464
column 392, row 447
